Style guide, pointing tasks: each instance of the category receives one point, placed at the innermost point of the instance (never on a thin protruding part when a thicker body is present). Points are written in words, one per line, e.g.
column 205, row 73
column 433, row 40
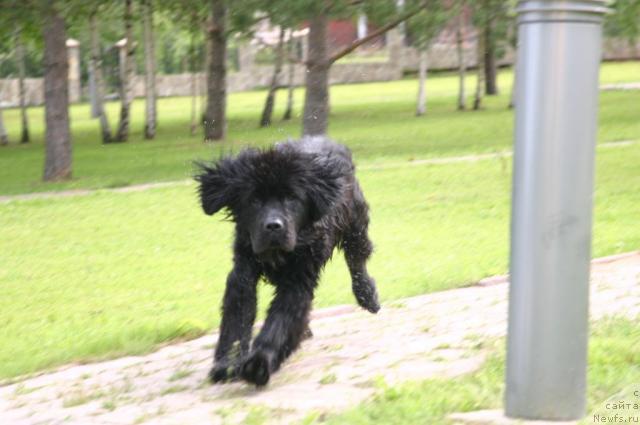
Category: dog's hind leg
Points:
column 357, row 249
column 238, row 315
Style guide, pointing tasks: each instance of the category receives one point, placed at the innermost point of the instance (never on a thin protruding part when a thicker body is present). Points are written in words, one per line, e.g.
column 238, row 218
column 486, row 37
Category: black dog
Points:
column 292, row 205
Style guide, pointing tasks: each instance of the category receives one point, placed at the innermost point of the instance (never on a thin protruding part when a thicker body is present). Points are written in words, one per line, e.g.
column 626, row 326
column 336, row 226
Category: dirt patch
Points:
column 434, row 335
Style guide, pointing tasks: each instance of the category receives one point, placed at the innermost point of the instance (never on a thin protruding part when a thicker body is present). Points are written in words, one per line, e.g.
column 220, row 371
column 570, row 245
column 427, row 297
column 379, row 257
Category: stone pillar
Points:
column 75, row 84
column 362, row 26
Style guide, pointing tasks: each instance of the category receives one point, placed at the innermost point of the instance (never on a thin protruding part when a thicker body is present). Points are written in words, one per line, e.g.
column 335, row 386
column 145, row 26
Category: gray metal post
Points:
column 555, row 133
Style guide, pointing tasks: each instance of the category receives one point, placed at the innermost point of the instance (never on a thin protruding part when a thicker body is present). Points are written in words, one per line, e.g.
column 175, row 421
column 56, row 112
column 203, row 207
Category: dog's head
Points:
column 273, row 194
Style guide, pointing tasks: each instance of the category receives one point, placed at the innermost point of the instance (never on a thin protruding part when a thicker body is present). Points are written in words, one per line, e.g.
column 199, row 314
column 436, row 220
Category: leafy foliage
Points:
column 625, row 20
column 426, row 25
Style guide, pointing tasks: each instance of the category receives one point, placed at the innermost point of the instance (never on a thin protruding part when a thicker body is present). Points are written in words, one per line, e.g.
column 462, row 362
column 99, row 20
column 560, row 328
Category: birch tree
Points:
column 291, row 67
column 267, row 111
column 424, row 28
column 190, row 16
column 480, row 72
column 95, row 66
column 4, row 138
column 151, row 110
column 127, row 76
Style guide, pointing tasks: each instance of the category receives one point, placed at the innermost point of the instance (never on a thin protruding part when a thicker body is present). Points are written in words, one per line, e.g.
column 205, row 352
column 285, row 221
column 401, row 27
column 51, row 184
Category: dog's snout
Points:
column 274, row 225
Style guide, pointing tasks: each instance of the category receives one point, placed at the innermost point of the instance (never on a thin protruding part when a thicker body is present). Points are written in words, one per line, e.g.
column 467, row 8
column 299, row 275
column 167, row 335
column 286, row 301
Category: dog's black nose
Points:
column 274, row 225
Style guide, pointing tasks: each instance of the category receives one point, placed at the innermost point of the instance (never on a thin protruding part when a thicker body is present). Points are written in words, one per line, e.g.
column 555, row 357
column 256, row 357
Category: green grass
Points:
column 614, row 359
column 376, row 120
column 110, row 274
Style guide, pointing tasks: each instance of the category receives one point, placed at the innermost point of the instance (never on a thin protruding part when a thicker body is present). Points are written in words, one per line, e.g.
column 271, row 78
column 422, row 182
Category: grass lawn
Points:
column 376, row 120
column 113, row 273
column 614, row 359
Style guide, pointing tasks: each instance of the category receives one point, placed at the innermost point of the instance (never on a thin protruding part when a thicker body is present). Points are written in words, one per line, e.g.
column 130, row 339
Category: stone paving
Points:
column 436, row 335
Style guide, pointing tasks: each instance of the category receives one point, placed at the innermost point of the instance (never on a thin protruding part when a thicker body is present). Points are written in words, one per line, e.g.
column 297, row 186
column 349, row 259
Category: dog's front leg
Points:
column 282, row 332
column 357, row 250
column 238, row 315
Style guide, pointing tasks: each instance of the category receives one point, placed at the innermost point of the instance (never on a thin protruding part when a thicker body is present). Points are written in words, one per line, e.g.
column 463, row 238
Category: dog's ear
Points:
column 329, row 177
column 216, row 184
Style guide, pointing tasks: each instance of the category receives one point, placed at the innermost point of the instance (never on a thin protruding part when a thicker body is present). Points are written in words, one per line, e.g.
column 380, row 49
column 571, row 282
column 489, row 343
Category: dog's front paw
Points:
column 366, row 294
column 257, row 368
column 222, row 372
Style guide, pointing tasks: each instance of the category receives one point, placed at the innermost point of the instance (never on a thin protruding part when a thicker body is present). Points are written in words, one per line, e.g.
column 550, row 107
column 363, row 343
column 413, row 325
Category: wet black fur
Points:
column 332, row 212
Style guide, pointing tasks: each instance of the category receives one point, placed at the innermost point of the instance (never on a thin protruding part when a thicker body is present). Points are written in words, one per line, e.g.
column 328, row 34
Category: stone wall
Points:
column 260, row 76
column 442, row 55
column 619, row 49
column 9, row 91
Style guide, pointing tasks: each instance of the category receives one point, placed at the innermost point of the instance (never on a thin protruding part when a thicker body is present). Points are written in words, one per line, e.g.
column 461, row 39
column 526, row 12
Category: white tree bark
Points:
column 267, row 111
column 290, row 76
column 421, row 106
column 4, row 139
column 127, row 75
column 150, row 71
column 95, row 68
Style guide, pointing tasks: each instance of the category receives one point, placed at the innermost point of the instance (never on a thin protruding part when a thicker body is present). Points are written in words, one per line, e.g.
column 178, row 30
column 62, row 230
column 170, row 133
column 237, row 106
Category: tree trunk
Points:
column 151, row 110
column 315, row 119
column 56, row 98
column 95, row 66
column 24, row 137
column 421, row 106
column 4, row 139
column 127, row 76
column 267, row 112
column 290, row 76
column 205, row 68
column 194, row 79
column 462, row 69
column 477, row 101
column 490, row 62
column 215, row 116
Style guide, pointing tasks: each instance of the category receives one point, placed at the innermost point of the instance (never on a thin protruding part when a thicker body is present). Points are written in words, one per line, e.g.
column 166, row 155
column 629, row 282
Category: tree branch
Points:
column 359, row 42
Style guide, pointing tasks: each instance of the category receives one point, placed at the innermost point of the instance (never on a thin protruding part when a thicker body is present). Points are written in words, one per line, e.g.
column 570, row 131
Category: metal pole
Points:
column 555, row 133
